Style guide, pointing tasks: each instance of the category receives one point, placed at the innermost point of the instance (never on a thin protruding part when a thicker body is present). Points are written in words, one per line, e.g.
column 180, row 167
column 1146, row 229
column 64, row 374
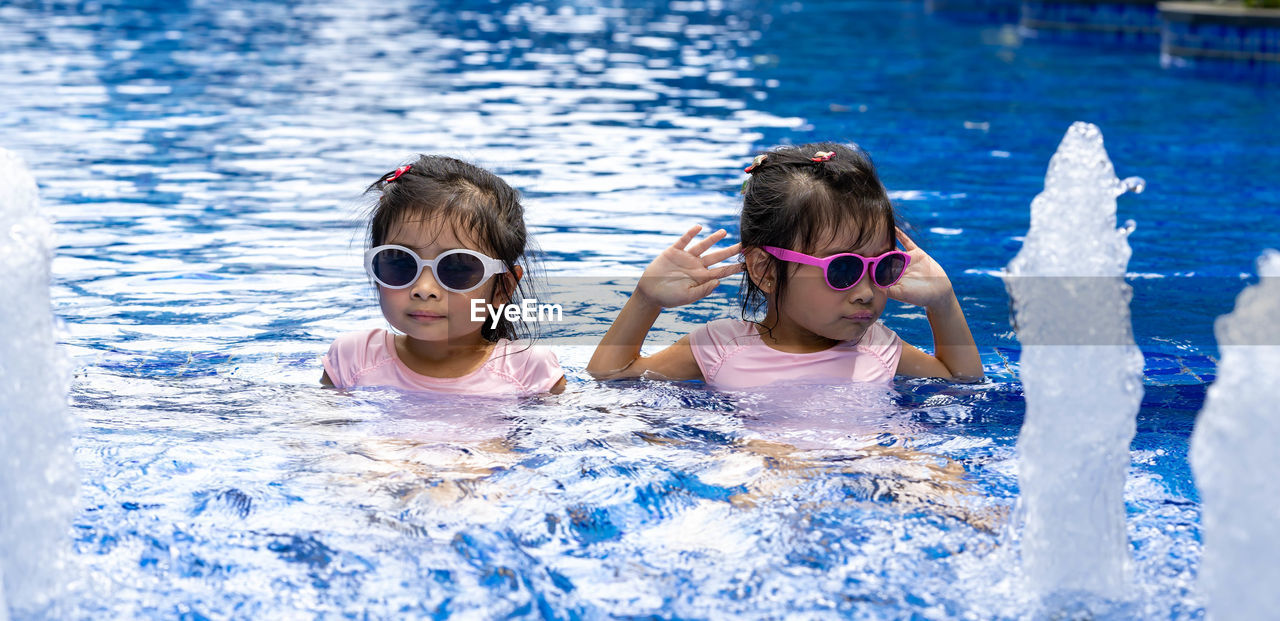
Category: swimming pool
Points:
column 203, row 162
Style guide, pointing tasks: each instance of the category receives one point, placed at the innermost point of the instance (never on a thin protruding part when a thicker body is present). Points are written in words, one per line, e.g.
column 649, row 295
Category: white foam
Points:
column 1081, row 373
column 1234, row 457
column 987, row 271
column 38, row 481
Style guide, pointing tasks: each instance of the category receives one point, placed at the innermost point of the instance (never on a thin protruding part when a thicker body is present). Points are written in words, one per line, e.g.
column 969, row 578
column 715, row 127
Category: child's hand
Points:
column 925, row 283
column 681, row 274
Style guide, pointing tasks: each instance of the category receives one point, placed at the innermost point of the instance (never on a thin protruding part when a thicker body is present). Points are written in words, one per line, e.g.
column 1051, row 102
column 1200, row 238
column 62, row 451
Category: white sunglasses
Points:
column 459, row 271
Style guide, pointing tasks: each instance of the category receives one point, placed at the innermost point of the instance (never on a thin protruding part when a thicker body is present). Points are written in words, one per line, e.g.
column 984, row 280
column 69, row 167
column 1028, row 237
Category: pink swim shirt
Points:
column 369, row 359
column 732, row 355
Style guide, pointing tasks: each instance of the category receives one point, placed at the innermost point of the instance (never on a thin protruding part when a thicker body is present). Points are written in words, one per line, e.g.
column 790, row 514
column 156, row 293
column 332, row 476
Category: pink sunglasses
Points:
column 846, row 269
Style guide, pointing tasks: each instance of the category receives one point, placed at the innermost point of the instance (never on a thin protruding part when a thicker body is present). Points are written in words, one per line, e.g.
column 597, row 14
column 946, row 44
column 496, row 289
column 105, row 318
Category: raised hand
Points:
column 925, row 283
column 682, row 273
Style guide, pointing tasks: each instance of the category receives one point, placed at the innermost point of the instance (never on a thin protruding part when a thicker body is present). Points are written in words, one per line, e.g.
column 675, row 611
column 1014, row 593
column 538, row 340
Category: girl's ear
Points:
column 509, row 281
column 760, row 268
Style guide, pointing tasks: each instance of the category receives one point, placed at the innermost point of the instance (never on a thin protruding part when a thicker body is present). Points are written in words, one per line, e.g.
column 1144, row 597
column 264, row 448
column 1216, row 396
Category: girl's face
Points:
column 811, row 307
column 424, row 310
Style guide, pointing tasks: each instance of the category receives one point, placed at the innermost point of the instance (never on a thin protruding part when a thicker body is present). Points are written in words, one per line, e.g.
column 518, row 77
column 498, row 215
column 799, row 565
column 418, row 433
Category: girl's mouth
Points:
column 425, row 316
column 860, row 316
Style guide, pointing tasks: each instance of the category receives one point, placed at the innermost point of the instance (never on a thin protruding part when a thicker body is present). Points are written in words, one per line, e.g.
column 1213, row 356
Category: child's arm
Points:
column 926, row 284
column 678, row 276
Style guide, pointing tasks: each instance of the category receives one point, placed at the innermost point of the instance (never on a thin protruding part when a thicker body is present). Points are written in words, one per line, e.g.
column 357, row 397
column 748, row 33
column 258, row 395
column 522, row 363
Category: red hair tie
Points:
column 822, row 156
column 400, row 171
column 756, row 162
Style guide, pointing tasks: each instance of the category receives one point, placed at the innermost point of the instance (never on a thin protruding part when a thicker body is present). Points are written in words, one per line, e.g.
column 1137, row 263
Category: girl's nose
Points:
column 426, row 286
column 863, row 292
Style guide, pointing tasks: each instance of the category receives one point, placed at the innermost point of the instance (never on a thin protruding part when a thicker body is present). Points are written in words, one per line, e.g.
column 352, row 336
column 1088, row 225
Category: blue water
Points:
column 203, row 163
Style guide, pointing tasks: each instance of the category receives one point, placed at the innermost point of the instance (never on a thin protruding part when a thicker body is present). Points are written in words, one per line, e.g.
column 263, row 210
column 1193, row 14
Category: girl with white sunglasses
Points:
column 445, row 237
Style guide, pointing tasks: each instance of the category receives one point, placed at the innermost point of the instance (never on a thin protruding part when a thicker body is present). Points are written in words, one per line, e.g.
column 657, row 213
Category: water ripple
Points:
column 203, row 162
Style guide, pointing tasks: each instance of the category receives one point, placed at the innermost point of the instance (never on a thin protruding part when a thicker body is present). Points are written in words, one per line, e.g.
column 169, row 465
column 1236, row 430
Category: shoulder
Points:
column 722, row 333
column 361, row 344
column 352, row 353
column 880, row 335
column 883, row 343
column 712, row 343
column 532, row 368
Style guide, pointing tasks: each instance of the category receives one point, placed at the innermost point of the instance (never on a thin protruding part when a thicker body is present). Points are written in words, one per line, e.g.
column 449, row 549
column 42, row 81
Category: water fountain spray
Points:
column 38, row 480
column 1081, row 373
column 1235, row 460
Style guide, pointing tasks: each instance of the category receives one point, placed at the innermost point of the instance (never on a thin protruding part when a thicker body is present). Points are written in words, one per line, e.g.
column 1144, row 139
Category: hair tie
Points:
column 756, row 162
column 399, row 171
column 822, row 156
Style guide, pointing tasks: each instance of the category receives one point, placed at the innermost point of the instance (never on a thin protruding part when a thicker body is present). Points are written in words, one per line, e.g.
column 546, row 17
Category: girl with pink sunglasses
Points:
column 818, row 248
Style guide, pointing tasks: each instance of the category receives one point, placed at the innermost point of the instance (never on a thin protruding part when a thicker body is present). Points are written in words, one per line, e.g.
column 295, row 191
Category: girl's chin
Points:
column 440, row 335
column 847, row 332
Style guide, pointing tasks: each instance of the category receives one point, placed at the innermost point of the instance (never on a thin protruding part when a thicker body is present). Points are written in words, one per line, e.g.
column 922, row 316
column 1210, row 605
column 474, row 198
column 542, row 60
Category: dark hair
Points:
column 792, row 201
column 467, row 197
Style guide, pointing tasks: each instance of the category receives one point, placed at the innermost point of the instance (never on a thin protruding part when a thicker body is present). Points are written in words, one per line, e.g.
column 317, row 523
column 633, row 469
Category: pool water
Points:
column 203, row 163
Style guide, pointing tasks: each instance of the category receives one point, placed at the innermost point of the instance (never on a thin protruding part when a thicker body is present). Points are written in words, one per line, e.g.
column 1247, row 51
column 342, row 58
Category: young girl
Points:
column 444, row 232
column 818, row 248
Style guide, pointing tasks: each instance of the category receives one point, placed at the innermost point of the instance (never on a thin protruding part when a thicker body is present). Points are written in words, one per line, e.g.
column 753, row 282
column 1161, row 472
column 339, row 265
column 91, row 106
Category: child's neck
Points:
column 785, row 336
column 455, row 358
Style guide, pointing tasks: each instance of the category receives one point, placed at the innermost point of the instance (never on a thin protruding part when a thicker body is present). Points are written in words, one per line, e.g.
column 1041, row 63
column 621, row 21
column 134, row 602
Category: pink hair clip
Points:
column 822, row 156
column 400, row 171
column 756, row 162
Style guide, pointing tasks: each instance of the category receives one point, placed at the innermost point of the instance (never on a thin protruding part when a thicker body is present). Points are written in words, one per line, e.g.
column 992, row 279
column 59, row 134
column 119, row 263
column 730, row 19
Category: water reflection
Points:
column 218, row 150
column 204, row 160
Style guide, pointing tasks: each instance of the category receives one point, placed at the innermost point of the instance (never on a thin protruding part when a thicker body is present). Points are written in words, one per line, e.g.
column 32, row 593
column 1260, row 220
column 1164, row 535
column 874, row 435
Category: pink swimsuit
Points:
column 732, row 355
column 369, row 359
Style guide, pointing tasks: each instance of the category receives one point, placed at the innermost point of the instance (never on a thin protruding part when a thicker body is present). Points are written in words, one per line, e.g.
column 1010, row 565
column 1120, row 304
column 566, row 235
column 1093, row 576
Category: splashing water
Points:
column 1081, row 373
column 1234, row 458
column 37, row 472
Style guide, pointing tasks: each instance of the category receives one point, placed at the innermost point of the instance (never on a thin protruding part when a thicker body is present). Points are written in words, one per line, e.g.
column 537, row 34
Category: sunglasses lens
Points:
column 395, row 267
column 889, row 269
column 844, row 272
column 460, row 271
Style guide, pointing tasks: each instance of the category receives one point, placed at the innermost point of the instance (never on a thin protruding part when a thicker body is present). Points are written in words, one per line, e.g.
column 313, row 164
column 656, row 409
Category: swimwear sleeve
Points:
column 541, row 370
column 347, row 357
column 885, row 345
column 710, row 343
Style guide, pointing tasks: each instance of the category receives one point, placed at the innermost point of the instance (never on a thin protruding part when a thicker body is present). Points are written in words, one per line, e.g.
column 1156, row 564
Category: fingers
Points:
column 907, row 244
column 702, row 277
column 708, row 280
column 687, row 237
column 727, row 270
column 703, row 290
column 706, row 242
column 712, row 258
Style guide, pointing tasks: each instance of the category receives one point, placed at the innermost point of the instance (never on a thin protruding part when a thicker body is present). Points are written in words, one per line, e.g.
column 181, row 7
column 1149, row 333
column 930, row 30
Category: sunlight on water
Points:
column 204, row 161
column 607, row 500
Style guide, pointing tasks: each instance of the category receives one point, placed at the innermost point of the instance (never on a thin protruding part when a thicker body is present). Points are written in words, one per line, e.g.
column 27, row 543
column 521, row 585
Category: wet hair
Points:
column 468, row 198
column 793, row 202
